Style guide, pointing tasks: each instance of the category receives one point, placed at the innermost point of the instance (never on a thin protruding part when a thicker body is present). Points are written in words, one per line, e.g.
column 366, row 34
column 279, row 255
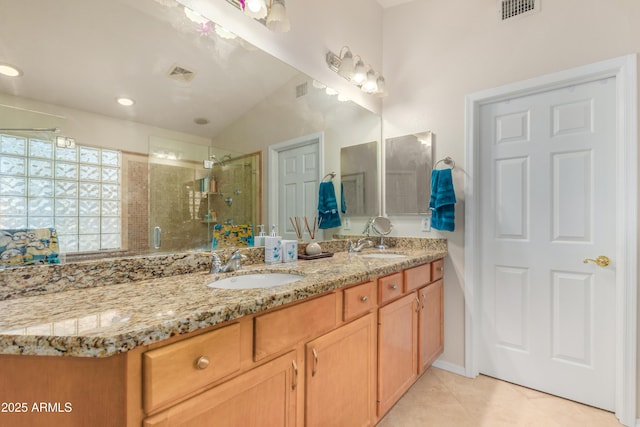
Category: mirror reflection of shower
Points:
column 234, row 181
column 188, row 187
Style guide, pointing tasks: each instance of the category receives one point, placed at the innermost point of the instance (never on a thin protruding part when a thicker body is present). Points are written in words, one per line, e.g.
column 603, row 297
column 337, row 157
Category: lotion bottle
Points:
column 273, row 247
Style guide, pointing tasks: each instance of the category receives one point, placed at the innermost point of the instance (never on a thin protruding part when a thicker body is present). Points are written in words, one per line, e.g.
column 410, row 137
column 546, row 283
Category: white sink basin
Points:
column 383, row 255
column 255, row 280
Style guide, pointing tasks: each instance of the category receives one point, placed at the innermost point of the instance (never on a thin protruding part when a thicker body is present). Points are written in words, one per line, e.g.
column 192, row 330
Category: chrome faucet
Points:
column 234, row 263
column 362, row 243
column 367, row 227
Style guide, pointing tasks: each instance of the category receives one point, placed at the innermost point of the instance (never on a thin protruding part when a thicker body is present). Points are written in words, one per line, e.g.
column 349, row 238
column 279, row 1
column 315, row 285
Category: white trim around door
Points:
column 624, row 69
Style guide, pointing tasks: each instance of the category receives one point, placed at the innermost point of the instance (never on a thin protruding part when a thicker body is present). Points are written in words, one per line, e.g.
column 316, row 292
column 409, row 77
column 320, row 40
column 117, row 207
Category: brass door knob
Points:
column 601, row 261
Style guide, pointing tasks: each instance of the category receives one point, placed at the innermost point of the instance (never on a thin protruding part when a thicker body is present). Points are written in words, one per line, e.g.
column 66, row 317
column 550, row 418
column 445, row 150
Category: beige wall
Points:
column 281, row 117
column 436, row 52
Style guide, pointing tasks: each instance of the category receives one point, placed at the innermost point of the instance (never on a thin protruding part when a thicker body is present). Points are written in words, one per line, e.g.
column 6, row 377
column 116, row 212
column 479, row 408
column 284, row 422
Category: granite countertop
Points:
column 106, row 320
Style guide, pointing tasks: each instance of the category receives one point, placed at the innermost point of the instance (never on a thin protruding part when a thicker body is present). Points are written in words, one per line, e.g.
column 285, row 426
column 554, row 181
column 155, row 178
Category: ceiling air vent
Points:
column 512, row 8
column 181, row 74
column 302, row 89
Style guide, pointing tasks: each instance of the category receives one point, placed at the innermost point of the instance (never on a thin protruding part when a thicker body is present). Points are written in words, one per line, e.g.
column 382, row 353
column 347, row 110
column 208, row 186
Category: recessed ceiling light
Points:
column 127, row 102
column 9, row 70
column 201, row 121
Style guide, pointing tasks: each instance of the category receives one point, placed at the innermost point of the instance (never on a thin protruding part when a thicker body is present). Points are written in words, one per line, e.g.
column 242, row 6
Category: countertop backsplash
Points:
column 46, row 279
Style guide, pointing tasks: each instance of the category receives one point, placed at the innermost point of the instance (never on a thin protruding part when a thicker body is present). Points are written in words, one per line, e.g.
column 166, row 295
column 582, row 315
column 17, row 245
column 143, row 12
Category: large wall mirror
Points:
column 186, row 156
column 408, row 164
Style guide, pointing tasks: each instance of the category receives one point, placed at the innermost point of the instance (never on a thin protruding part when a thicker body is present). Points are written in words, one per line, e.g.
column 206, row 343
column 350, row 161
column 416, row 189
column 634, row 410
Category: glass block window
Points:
column 76, row 190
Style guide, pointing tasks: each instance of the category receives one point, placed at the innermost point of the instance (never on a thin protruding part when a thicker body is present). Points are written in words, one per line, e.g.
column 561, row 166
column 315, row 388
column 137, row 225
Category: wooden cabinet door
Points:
column 431, row 323
column 266, row 395
column 340, row 376
column 397, row 350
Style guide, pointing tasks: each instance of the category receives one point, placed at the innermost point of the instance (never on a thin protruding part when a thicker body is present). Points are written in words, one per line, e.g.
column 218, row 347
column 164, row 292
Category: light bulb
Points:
column 256, row 9
column 346, row 67
column 277, row 20
column 359, row 72
column 370, row 85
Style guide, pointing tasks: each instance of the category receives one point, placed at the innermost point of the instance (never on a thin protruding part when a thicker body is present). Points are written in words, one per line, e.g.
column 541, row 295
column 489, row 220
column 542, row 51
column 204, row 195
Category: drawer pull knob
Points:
column 364, row 299
column 393, row 287
column 202, row 362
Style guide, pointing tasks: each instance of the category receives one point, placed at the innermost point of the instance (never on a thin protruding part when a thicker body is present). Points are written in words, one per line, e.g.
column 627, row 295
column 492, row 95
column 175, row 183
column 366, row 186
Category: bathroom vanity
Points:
column 353, row 335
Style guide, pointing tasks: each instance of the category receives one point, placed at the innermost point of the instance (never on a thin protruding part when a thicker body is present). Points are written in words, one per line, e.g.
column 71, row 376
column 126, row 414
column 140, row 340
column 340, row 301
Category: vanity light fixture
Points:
column 353, row 68
column 271, row 13
column 127, row 102
column 370, row 85
column 359, row 73
column 9, row 70
column 277, row 19
column 347, row 64
column 256, row 9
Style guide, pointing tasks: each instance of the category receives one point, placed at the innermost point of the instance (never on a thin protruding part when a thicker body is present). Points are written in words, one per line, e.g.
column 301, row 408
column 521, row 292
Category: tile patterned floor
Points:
column 444, row 399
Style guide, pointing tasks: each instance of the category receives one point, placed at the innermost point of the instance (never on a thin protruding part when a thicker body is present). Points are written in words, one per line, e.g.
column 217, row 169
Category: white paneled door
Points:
column 298, row 176
column 547, row 204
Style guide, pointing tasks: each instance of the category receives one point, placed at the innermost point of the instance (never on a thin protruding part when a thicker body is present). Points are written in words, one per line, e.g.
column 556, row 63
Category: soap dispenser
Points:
column 258, row 240
column 273, row 247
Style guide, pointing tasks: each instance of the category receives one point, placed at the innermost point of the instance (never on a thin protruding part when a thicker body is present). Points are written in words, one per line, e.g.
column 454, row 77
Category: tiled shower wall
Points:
column 137, row 219
column 236, row 180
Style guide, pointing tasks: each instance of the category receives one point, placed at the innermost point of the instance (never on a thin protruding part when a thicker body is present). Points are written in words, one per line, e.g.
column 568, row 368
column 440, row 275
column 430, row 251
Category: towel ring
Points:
column 447, row 161
column 331, row 175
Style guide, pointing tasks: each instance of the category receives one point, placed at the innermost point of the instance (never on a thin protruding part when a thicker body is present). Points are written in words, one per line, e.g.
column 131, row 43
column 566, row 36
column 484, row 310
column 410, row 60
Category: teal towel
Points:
column 443, row 200
column 328, row 206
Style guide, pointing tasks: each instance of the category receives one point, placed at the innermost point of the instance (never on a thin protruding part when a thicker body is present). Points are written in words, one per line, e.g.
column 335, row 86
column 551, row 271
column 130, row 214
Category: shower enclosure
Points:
column 189, row 196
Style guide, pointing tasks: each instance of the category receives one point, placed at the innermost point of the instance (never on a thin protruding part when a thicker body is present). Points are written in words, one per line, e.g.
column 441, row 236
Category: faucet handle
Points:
column 216, row 265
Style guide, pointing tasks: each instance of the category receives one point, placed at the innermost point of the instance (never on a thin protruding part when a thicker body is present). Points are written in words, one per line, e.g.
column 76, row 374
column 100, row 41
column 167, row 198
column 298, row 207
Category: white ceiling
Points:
column 84, row 53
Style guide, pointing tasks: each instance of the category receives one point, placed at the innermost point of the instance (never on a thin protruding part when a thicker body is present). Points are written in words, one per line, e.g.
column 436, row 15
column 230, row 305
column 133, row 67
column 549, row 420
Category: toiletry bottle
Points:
column 273, row 247
column 259, row 239
column 289, row 250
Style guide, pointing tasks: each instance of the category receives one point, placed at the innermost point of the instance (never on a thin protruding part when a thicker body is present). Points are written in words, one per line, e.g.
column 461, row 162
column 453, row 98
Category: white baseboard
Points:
column 450, row 367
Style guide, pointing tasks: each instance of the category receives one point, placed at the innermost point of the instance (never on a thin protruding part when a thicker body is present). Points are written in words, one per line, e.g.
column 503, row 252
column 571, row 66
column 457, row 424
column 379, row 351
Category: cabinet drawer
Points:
column 437, row 269
column 390, row 287
column 358, row 300
column 417, row 277
column 281, row 329
column 178, row 369
column 266, row 395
